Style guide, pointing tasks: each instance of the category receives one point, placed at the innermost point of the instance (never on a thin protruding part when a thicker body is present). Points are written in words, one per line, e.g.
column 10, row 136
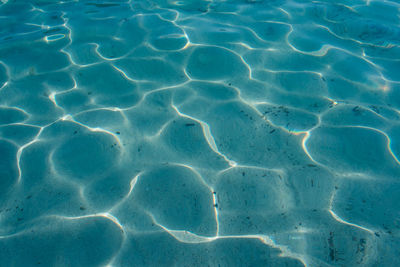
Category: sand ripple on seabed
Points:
column 199, row 133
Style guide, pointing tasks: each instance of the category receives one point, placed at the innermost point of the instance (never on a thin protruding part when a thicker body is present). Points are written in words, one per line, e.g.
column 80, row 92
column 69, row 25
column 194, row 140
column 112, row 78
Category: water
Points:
column 199, row 133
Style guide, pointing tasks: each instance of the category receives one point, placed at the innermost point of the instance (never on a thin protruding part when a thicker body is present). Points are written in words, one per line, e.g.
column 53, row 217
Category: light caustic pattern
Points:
column 199, row 133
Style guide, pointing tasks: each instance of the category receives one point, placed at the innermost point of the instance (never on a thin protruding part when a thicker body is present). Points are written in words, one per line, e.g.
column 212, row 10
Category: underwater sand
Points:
column 199, row 133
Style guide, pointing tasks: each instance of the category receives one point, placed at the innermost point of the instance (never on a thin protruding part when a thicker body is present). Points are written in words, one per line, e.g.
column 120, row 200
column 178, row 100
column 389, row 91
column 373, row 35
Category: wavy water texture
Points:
column 199, row 133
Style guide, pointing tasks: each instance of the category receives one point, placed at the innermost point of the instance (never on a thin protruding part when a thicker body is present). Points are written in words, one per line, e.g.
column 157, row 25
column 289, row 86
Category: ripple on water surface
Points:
column 199, row 133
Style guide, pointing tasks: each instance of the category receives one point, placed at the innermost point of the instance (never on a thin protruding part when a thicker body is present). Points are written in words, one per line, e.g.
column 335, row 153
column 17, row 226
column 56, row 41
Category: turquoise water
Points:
column 199, row 133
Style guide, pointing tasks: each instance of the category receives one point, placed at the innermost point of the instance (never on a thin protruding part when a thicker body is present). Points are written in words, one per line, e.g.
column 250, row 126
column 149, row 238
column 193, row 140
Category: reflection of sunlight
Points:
column 46, row 47
column 19, row 153
column 52, row 97
column 284, row 11
column 126, row 75
column 388, row 141
column 192, row 238
column 4, row 85
column 96, row 215
column 304, row 146
column 127, row 196
column 207, row 134
column 68, row 117
column 339, row 219
column 55, row 37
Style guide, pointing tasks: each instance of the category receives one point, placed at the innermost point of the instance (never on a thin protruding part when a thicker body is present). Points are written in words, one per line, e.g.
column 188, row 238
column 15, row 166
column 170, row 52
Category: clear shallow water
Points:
column 199, row 133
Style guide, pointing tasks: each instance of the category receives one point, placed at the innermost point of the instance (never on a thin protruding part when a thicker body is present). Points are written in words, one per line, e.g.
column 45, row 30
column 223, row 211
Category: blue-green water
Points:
column 199, row 133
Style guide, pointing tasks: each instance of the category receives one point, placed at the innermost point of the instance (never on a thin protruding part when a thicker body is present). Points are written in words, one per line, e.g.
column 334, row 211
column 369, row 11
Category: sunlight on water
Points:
column 199, row 133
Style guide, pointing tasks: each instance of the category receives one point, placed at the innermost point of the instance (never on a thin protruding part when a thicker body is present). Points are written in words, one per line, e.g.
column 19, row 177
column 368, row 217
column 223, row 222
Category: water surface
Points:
column 199, row 133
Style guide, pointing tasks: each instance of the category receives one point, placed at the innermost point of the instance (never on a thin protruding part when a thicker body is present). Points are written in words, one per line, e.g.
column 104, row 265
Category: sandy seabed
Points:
column 199, row 133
